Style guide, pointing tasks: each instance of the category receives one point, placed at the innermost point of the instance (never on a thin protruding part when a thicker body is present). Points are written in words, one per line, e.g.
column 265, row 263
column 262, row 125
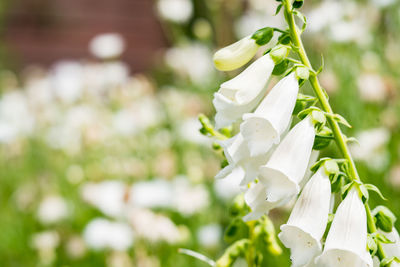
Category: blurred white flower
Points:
column 154, row 227
column 209, row 236
column 107, row 196
column 137, row 117
column 16, row 118
column 75, row 247
column 107, row 45
column 52, row 209
column 151, row 194
column 251, row 21
column 101, row 234
column 372, row 147
column 382, row 3
column 228, row 187
column 179, row 11
column 45, row 243
column 371, row 87
column 192, row 61
column 67, row 80
column 45, row 240
column 189, row 199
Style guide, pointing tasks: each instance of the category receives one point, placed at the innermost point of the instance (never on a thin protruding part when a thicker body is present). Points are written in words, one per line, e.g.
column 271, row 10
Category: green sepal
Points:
column 372, row 245
column 385, row 219
column 303, row 102
column 280, row 68
column 263, row 36
column 323, row 138
column 388, row 261
column 317, row 116
column 302, row 73
column 284, row 39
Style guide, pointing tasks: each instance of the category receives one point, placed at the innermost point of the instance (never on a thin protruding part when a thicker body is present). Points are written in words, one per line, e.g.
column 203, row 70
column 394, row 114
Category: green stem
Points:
column 323, row 99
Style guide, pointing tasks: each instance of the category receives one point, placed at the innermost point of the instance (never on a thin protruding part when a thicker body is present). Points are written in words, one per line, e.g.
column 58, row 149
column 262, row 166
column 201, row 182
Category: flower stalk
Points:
column 339, row 137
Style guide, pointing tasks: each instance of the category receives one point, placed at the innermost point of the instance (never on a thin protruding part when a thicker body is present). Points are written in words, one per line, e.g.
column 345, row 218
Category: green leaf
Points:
column 263, row 36
column 298, row 3
column 372, row 187
column 339, row 119
column 278, row 9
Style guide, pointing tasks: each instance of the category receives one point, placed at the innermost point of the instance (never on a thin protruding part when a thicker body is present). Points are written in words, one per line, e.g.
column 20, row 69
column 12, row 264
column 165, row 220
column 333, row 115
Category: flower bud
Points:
column 235, row 55
column 385, row 219
column 279, row 53
column 263, row 36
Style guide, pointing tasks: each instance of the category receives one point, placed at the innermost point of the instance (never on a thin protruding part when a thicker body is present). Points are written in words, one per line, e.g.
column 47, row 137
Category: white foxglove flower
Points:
column 240, row 161
column 262, row 128
column 255, row 198
column 235, row 55
column 242, row 93
column 346, row 244
column 307, row 222
column 288, row 163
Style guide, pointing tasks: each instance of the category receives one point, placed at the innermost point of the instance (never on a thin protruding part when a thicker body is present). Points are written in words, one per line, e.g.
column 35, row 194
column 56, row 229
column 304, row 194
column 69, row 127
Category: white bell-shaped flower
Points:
column 262, row 128
column 235, row 55
column 346, row 243
column 242, row 93
column 288, row 163
column 307, row 222
column 255, row 198
column 240, row 161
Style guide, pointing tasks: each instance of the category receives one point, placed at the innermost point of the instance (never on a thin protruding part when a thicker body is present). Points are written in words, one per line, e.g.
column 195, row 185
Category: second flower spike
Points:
column 262, row 128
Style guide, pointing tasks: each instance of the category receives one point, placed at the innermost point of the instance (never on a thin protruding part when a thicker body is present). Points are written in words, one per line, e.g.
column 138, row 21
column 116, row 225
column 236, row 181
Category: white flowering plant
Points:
column 271, row 143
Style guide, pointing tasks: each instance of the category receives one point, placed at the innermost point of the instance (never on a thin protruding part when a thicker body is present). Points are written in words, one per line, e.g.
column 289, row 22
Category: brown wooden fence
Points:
column 44, row 31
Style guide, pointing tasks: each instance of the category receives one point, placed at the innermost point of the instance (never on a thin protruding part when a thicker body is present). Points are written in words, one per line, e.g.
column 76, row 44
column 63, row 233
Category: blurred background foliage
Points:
column 102, row 165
